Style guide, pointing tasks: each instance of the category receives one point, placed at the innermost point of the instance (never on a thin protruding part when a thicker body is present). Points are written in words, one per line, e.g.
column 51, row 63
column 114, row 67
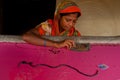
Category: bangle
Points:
column 44, row 42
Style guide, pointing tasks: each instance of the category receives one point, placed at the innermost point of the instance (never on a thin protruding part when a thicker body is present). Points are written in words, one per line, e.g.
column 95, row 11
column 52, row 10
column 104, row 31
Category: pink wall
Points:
column 11, row 54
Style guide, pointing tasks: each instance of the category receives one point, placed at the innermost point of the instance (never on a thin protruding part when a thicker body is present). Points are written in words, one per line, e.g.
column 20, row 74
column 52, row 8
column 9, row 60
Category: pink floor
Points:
column 21, row 61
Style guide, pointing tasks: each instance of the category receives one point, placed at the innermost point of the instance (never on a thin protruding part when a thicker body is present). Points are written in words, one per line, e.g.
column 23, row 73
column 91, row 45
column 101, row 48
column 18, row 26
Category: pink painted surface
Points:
column 11, row 54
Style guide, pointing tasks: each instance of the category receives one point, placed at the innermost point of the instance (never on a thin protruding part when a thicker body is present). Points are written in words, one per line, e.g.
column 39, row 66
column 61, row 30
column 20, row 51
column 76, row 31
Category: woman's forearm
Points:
column 38, row 40
column 34, row 38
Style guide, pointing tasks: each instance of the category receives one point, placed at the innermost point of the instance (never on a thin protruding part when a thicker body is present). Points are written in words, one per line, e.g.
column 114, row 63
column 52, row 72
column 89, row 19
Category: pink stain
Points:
column 11, row 54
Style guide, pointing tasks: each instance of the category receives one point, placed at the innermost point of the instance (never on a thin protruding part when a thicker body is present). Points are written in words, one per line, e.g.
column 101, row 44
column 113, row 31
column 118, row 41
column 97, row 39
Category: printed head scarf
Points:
column 66, row 6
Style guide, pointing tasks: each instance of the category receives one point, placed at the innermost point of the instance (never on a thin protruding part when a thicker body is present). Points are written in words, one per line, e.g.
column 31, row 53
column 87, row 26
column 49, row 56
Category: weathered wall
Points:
column 99, row 17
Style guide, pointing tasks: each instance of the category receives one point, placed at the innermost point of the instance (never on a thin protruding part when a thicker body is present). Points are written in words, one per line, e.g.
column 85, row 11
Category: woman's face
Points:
column 68, row 21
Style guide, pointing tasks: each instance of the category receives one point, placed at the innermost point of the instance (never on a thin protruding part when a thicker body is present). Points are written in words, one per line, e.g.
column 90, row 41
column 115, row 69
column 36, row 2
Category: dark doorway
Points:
column 21, row 15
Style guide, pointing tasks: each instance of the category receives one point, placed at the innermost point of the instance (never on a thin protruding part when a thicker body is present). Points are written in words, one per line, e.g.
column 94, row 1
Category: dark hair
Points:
column 64, row 14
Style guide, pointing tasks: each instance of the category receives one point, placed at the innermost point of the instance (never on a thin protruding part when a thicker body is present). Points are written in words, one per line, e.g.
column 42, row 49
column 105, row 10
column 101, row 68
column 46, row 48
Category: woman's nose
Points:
column 71, row 23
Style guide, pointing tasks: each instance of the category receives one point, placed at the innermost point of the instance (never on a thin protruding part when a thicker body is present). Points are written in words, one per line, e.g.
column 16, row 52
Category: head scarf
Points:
column 66, row 6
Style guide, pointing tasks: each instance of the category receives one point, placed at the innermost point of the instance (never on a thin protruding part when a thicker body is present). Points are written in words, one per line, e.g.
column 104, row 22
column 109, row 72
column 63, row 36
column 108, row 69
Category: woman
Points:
column 63, row 24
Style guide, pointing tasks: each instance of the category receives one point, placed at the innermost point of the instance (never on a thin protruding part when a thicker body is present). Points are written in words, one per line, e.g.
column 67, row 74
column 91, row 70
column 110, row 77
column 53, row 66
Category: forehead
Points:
column 73, row 15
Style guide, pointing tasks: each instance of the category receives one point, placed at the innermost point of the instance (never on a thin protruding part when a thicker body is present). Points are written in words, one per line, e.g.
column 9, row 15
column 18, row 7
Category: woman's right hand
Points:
column 66, row 43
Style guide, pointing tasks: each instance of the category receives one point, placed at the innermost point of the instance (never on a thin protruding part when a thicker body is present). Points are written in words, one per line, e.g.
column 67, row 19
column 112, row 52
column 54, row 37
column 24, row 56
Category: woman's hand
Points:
column 66, row 43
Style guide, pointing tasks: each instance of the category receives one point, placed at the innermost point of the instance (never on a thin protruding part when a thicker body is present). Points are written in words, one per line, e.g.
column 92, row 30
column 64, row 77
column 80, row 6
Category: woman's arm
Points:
column 33, row 37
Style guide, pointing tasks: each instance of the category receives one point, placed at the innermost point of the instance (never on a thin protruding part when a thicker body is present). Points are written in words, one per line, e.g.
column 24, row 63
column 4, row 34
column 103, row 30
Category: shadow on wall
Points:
column 22, row 15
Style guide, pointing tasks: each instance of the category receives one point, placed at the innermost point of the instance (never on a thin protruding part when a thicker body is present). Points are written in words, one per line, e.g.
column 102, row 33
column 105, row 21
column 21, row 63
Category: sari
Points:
column 51, row 26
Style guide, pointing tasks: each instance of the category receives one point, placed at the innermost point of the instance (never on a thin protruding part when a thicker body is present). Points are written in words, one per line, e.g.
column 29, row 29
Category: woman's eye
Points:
column 67, row 20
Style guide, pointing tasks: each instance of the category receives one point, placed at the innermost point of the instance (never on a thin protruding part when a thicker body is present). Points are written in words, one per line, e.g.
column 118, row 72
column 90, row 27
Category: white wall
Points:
column 99, row 17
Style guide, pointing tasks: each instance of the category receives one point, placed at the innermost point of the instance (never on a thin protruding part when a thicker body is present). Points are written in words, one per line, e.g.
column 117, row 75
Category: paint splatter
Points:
column 103, row 66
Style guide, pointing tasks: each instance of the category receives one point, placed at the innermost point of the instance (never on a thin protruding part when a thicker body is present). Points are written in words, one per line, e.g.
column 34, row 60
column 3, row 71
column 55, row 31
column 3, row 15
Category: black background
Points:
column 22, row 15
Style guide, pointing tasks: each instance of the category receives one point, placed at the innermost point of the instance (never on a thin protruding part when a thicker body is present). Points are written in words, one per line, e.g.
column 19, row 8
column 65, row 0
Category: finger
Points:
column 67, row 46
column 71, row 43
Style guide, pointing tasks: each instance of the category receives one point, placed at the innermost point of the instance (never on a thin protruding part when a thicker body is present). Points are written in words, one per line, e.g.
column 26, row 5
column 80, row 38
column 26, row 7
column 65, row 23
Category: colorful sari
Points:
column 51, row 27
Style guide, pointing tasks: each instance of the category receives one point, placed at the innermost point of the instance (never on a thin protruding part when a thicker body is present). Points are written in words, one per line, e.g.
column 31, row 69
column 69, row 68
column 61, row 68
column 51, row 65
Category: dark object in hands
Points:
column 81, row 47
